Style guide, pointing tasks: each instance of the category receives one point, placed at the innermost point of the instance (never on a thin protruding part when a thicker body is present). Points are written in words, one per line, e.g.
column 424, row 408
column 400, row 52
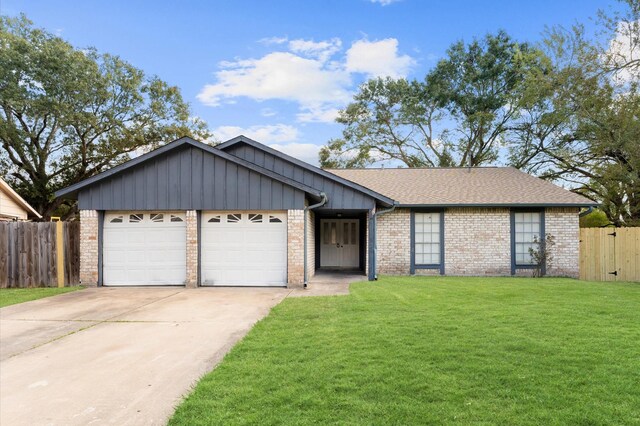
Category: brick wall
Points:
column 192, row 249
column 394, row 242
column 295, row 248
column 89, row 248
column 311, row 244
column 477, row 241
column 564, row 225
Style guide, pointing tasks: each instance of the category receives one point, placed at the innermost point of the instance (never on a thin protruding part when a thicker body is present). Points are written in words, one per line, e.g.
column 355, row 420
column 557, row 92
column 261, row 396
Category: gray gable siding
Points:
column 189, row 178
column 340, row 196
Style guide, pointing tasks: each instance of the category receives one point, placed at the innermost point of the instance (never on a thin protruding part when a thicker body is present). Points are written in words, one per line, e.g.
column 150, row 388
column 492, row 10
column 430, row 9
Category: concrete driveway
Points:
column 119, row 356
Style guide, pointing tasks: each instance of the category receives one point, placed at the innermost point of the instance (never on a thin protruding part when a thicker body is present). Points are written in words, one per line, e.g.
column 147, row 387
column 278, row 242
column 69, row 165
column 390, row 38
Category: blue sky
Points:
column 278, row 71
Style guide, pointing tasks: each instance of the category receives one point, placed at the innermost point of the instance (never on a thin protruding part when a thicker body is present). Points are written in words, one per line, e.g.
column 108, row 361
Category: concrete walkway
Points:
column 329, row 283
column 125, row 356
column 122, row 356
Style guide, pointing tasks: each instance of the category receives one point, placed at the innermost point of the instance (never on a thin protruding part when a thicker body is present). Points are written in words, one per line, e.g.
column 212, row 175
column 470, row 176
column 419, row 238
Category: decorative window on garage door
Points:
column 145, row 219
column 245, row 218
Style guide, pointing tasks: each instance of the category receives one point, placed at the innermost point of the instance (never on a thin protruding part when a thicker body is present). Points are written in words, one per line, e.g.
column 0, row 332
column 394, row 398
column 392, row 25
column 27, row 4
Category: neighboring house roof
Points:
column 351, row 184
column 485, row 186
column 17, row 199
column 71, row 191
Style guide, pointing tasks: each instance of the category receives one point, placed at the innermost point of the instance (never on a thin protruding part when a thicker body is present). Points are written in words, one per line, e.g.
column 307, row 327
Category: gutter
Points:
column 586, row 212
column 375, row 238
column 306, row 209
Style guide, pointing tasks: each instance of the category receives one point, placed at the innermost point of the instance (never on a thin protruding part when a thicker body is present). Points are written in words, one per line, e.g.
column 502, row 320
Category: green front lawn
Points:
column 435, row 350
column 11, row 296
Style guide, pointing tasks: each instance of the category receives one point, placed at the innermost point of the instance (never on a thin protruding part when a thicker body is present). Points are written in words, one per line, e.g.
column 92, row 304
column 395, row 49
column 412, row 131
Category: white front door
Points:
column 144, row 248
column 244, row 249
column 339, row 243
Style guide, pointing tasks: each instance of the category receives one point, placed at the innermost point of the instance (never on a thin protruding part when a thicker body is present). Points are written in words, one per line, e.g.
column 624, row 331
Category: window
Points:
column 157, row 217
column 528, row 228
column 117, row 219
column 234, row 218
column 175, row 218
column 214, row 219
column 273, row 219
column 136, row 217
column 255, row 218
column 427, row 239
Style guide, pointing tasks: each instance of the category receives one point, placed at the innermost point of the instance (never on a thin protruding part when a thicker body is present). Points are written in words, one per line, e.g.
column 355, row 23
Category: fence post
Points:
column 60, row 250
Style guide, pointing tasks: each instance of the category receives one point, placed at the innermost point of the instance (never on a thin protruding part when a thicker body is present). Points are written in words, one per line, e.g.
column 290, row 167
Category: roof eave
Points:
column 388, row 202
column 489, row 205
column 72, row 190
column 21, row 201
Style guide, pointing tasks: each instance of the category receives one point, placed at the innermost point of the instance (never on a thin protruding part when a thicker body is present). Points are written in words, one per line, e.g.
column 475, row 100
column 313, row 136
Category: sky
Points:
column 278, row 71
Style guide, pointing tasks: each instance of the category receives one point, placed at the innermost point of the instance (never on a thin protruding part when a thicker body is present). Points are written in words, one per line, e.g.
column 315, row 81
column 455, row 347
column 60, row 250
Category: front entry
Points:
column 340, row 243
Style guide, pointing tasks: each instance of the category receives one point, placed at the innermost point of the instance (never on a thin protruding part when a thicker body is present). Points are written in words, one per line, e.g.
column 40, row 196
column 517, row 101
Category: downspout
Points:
column 306, row 209
column 375, row 237
column 586, row 212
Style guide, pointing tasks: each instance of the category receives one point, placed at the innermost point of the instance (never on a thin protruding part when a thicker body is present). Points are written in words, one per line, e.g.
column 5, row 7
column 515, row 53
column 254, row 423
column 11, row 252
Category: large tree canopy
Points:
column 580, row 120
column 567, row 110
column 457, row 116
column 67, row 114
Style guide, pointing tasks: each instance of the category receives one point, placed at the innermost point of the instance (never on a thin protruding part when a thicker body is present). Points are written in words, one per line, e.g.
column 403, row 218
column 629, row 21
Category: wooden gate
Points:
column 610, row 254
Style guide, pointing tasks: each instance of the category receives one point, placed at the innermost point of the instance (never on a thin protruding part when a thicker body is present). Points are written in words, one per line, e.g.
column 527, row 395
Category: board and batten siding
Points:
column 340, row 196
column 189, row 179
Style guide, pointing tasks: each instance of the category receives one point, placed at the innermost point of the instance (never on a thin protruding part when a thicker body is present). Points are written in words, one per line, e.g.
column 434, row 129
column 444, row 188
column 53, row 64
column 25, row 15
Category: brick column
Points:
column 192, row 249
column 89, row 248
column 295, row 248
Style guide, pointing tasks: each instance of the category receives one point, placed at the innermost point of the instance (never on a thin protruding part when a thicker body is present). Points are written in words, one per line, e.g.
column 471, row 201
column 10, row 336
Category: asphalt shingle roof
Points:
column 491, row 186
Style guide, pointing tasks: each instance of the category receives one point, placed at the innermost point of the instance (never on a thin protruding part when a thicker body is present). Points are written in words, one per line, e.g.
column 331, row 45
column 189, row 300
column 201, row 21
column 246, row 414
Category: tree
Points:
column 67, row 114
column 457, row 116
column 581, row 118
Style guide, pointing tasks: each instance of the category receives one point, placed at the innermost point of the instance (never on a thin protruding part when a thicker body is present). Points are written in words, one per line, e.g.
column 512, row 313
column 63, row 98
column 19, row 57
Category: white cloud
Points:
column 278, row 75
column 321, row 50
column 268, row 112
column 384, row 2
column 276, row 133
column 310, row 73
column 307, row 152
column 378, row 59
column 273, row 40
column 317, row 115
column 625, row 48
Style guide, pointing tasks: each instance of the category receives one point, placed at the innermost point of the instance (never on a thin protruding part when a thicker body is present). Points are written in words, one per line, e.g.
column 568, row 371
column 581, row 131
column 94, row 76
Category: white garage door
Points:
column 244, row 248
column 144, row 248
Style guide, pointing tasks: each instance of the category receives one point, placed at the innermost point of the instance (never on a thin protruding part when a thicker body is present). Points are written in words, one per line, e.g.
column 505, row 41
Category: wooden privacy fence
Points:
column 610, row 254
column 39, row 254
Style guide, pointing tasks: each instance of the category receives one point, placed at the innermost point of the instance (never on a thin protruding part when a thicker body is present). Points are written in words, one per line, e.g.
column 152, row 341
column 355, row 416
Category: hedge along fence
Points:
column 39, row 254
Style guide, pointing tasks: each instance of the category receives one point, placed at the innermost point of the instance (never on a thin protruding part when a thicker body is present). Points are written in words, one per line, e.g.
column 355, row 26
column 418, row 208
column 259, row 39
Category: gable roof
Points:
column 72, row 190
column 485, row 186
column 383, row 198
column 4, row 186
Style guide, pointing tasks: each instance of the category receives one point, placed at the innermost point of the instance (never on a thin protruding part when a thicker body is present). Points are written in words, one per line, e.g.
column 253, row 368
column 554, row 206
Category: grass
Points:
column 11, row 296
column 411, row 350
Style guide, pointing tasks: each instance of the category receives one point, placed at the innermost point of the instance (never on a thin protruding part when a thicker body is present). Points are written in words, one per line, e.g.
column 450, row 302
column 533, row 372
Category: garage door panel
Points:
column 244, row 248
column 144, row 249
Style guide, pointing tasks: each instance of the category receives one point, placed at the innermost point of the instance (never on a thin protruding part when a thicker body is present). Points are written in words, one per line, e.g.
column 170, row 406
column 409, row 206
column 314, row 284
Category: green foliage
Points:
column 581, row 119
column 542, row 254
column 12, row 296
column 596, row 219
column 567, row 111
column 67, row 114
column 417, row 350
column 477, row 88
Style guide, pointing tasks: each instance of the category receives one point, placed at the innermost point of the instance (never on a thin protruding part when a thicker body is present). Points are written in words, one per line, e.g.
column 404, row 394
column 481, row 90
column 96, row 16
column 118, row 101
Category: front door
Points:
column 339, row 243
